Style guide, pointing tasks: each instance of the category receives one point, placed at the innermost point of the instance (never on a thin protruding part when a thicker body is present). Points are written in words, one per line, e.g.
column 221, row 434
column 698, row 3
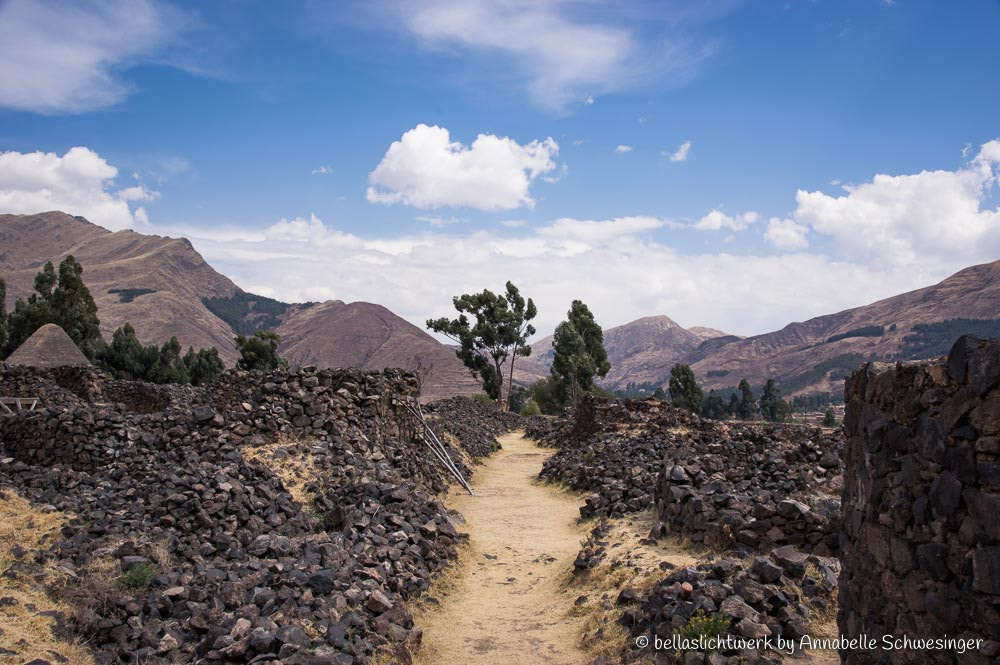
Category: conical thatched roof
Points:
column 50, row 346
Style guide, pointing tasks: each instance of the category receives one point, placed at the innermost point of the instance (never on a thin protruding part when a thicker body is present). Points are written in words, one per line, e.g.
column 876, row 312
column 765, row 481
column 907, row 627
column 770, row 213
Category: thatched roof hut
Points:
column 50, row 346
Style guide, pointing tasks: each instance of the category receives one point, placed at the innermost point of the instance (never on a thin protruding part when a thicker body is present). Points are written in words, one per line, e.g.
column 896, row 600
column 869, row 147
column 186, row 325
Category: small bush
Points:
column 138, row 577
column 531, row 408
column 706, row 626
column 483, row 398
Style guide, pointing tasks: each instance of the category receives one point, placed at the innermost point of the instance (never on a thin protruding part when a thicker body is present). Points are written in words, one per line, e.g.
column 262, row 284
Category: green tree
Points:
column 684, row 390
column 260, row 351
column 734, row 406
column 747, row 407
column 170, row 367
column 204, row 365
column 829, row 418
column 63, row 299
column 660, row 394
column 544, row 393
column 713, row 407
column 772, row 407
column 579, row 353
column 126, row 357
column 499, row 333
column 531, row 408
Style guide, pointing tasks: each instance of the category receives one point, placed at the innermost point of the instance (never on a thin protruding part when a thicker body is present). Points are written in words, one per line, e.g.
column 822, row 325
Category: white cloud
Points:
column 66, row 57
column 562, row 53
column 929, row 218
column 716, row 220
column 623, row 148
column 426, row 169
column 322, row 170
column 416, row 275
column 679, row 155
column 79, row 183
column 786, row 234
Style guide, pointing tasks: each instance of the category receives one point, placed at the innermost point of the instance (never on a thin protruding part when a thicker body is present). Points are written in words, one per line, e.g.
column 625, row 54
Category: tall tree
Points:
column 499, row 333
column 579, row 353
column 713, row 407
column 204, row 366
column 772, row 407
column 260, row 351
column 685, row 393
column 747, row 407
column 734, row 406
column 62, row 299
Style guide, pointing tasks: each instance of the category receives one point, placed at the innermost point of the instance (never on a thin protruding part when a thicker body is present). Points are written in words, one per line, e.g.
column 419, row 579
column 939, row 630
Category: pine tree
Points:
column 829, row 418
column 579, row 355
column 747, row 407
column 713, row 407
column 203, row 366
column 62, row 299
column 684, row 390
column 260, row 351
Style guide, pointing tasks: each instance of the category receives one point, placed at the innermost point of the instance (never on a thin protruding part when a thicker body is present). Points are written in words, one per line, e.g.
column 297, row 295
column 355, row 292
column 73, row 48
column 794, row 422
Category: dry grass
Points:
column 289, row 459
column 27, row 630
column 629, row 563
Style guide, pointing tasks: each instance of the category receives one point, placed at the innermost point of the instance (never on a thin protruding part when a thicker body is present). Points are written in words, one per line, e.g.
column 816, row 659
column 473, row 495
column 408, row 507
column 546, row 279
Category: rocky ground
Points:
column 287, row 519
column 755, row 501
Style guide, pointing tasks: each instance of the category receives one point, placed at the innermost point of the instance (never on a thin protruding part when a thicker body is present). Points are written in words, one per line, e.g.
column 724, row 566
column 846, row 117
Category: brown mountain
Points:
column 815, row 355
column 360, row 334
column 165, row 288
column 642, row 351
column 172, row 276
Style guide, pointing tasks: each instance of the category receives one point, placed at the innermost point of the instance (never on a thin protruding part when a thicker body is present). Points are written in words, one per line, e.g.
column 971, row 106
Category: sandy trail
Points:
column 507, row 601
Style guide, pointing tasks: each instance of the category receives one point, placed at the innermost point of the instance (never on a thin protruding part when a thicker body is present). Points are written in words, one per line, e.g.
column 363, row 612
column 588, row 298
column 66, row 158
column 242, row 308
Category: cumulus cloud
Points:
column 679, row 155
column 563, row 54
column 623, row 148
column 426, row 169
column 79, row 182
column 786, row 234
column 67, row 57
column 716, row 220
column 932, row 217
column 416, row 275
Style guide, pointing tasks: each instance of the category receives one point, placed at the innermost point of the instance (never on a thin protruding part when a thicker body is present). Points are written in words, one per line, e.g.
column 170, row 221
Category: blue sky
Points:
column 266, row 131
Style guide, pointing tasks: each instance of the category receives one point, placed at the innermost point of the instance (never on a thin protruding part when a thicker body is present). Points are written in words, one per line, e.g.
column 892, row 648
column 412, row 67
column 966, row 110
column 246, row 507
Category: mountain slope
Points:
column 174, row 276
column 813, row 355
column 641, row 351
column 360, row 334
column 162, row 286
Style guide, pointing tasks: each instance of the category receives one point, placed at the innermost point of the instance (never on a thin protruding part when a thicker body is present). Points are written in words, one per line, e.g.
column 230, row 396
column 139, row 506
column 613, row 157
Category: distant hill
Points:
column 815, row 355
column 642, row 351
column 165, row 288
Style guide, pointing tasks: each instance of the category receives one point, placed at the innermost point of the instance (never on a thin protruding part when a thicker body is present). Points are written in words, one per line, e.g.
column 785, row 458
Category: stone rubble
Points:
column 163, row 478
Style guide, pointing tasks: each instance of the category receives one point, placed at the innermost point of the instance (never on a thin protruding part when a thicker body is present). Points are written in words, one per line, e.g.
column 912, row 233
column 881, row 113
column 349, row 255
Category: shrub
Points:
column 705, row 626
column 138, row 577
column 531, row 408
column 483, row 398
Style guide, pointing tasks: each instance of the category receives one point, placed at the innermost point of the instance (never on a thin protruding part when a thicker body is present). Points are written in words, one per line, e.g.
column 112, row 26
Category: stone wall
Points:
column 921, row 504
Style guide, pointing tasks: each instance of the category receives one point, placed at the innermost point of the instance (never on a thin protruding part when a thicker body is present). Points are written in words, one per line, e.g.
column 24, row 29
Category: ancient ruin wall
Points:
column 921, row 506
column 89, row 429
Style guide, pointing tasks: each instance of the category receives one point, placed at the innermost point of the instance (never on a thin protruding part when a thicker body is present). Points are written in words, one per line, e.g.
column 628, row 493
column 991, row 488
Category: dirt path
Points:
column 507, row 601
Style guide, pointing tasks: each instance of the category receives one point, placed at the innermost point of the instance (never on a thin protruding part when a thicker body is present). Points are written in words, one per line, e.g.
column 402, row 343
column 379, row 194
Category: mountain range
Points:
column 165, row 288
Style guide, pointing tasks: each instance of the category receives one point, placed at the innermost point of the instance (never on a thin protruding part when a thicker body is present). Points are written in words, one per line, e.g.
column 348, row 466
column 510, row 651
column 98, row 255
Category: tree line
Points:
column 61, row 297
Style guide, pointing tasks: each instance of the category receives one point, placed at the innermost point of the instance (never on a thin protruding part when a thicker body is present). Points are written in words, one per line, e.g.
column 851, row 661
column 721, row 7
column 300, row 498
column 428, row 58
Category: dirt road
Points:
column 507, row 600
